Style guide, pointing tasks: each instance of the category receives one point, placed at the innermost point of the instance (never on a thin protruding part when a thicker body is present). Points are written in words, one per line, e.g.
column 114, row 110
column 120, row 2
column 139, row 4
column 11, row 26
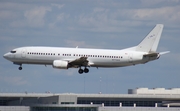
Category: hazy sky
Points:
column 114, row 24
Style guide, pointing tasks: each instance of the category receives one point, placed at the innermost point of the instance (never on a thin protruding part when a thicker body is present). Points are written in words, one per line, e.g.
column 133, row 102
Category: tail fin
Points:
column 151, row 41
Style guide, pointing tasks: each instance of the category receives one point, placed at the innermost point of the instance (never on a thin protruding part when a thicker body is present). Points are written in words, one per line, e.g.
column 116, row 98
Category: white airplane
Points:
column 64, row 58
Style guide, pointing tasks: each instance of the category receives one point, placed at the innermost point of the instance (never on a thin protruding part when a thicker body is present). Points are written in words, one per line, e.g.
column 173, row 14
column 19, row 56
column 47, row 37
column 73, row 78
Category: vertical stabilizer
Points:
column 151, row 41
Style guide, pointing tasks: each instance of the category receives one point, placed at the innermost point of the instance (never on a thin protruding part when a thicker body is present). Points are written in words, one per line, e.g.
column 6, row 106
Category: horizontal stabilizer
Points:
column 156, row 54
column 161, row 53
column 151, row 55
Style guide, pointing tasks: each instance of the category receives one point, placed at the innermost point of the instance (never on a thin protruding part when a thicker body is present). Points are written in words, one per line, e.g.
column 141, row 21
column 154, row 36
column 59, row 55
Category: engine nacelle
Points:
column 60, row 64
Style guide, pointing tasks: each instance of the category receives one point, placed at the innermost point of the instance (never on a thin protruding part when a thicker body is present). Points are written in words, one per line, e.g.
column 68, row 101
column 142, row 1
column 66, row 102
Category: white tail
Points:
column 151, row 41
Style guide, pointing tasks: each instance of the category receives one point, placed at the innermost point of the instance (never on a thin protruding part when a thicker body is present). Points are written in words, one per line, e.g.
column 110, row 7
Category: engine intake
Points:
column 60, row 64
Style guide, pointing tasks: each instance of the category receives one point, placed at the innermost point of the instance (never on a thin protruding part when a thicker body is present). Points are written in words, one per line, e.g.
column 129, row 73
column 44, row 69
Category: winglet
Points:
column 151, row 41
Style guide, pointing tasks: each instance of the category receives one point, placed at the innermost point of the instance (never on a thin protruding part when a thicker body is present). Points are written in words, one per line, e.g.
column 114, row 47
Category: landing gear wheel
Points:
column 86, row 70
column 20, row 68
column 80, row 71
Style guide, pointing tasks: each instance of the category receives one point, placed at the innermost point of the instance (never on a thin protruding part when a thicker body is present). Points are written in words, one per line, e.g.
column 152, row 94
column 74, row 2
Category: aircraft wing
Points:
column 82, row 61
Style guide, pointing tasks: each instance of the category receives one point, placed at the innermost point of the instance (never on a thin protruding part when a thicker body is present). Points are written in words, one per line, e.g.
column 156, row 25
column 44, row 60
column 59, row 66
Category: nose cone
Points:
column 7, row 56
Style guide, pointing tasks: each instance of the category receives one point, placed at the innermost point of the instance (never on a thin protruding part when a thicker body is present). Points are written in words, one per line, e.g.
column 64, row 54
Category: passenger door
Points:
column 23, row 53
column 130, row 57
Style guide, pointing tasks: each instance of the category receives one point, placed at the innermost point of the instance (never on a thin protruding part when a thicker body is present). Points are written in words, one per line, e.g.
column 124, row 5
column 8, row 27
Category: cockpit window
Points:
column 13, row 51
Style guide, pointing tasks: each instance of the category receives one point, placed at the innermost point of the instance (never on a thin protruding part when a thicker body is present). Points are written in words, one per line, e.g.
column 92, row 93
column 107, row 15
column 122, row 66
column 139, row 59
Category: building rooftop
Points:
column 133, row 95
column 141, row 97
column 155, row 91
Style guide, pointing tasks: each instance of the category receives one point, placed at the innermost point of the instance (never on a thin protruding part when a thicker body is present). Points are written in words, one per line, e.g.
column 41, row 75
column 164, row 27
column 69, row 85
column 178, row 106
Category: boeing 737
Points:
column 83, row 58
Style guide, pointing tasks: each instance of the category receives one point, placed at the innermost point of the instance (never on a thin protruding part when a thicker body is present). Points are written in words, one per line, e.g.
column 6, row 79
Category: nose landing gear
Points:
column 20, row 67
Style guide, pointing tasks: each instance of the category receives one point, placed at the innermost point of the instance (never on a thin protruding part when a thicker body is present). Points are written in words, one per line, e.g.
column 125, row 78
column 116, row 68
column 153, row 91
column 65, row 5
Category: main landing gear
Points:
column 86, row 70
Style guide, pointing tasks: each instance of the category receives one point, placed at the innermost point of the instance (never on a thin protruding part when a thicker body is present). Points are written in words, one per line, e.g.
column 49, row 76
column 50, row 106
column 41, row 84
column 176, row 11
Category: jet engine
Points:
column 60, row 64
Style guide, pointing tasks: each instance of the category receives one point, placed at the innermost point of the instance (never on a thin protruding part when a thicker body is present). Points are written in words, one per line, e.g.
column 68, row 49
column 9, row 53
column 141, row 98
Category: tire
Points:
column 86, row 70
column 80, row 71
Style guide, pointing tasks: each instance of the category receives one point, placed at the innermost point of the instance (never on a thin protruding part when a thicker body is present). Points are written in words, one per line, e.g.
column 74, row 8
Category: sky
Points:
column 114, row 24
